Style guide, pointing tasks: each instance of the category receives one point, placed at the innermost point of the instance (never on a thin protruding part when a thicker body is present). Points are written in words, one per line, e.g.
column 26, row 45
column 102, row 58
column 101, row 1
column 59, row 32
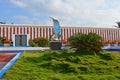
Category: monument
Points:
column 55, row 43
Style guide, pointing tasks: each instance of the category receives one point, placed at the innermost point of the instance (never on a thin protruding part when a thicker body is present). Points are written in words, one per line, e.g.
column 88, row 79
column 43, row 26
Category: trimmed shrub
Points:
column 2, row 39
column 33, row 44
column 42, row 42
column 86, row 42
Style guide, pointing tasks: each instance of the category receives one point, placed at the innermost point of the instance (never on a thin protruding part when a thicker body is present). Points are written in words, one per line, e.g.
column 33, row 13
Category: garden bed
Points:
column 65, row 65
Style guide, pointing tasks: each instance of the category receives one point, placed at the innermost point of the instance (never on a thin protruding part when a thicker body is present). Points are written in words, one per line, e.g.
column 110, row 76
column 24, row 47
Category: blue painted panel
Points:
column 56, row 27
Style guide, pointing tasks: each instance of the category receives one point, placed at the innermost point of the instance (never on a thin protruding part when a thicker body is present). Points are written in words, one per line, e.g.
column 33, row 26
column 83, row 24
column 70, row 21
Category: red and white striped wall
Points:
column 45, row 31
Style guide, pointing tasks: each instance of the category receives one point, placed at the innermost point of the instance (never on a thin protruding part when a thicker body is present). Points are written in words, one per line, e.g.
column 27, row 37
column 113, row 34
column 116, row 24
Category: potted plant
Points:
column 6, row 42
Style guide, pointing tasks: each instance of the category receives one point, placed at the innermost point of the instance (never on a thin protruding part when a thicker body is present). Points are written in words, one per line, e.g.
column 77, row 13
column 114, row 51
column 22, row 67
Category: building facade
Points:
column 35, row 31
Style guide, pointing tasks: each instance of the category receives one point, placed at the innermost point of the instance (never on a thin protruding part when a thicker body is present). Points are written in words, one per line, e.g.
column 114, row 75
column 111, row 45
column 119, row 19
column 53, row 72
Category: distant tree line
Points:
column 3, row 22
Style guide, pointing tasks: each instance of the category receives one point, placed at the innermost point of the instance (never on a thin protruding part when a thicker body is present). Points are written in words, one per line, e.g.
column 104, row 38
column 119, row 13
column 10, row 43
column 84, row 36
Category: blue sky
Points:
column 97, row 13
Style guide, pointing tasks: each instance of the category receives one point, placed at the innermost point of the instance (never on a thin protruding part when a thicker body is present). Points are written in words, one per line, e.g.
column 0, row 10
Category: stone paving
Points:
column 2, row 64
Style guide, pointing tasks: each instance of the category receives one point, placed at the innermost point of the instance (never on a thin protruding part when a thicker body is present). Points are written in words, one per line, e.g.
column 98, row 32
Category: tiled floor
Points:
column 2, row 64
column 5, row 58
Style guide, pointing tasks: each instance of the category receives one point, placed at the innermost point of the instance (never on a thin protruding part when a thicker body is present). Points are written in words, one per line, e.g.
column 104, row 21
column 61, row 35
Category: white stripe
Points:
column 71, row 31
column 32, row 33
column 117, row 35
column 22, row 30
column 76, row 30
column 45, row 32
column 25, row 30
column 82, row 30
column 29, row 31
column 12, row 30
column 5, row 31
column 41, row 32
column 48, row 33
column 68, row 32
column 1, row 31
column 63, row 33
column 15, row 30
column 35, row 32
column 51, row 31
column 8, row 32
column 38, row 31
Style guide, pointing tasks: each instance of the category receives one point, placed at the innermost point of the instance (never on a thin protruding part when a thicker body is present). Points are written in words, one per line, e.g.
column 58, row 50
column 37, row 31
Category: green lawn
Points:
column 65, row 65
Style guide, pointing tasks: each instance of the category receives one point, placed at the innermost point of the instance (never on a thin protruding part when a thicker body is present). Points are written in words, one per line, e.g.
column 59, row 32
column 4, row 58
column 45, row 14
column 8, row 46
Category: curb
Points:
column 9, row 64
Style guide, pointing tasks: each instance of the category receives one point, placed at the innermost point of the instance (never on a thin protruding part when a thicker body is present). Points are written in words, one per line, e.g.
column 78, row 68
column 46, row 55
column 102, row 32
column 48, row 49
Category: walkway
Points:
column 15, row 49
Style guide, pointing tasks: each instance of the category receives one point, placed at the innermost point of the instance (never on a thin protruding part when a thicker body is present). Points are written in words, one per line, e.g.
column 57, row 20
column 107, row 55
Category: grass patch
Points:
column 65, row 65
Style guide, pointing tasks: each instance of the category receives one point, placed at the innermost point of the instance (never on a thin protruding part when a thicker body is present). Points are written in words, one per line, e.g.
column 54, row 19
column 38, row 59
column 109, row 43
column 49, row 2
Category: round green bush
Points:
column 42, row 42
column 86, row 42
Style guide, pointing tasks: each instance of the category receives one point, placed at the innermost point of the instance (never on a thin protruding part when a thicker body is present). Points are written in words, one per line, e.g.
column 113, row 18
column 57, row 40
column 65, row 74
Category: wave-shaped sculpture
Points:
column 56, row 30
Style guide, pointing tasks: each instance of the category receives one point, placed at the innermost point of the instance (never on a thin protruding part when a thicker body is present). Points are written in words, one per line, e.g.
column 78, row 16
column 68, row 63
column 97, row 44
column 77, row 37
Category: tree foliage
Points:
column 42, row 42
column 118, row 23
column 86, row 42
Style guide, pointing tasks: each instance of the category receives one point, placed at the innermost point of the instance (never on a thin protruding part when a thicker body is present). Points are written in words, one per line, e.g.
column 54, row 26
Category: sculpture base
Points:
column 55, row 45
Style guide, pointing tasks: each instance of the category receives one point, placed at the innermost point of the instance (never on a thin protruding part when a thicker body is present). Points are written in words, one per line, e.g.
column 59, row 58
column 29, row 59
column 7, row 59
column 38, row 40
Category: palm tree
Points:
column 118, row 23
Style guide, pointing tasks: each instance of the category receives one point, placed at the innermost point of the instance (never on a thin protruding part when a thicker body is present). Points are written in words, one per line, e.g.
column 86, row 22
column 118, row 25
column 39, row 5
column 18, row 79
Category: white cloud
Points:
column 74, row 12
column 29, row 20
column 18, row 3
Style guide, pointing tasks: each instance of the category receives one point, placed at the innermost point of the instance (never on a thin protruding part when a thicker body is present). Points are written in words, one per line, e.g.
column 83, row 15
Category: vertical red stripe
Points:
column 80, row 30
column 37, row 32
column 27, row 30
column 0, row 31
column 50, row 32
column 34, row 32
column 7, row 32
column 43, row 32
column 17, row 30
column 11, row 33
column 24, row 30
column 115, row 34
column 70, row 31
column 64, row 34
column 31, row 33
column 101, row 34
column 47, row 33
column 20, row 30
column 105, row 34
column 40, row 32
column 75, row 30
column 61, row 34
column 98, row 31
column 13, row 30
column 67, row 33
column 3, row 32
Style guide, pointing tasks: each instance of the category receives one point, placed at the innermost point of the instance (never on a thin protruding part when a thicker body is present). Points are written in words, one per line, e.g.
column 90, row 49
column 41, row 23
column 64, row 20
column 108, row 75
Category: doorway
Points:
column 20, row 40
